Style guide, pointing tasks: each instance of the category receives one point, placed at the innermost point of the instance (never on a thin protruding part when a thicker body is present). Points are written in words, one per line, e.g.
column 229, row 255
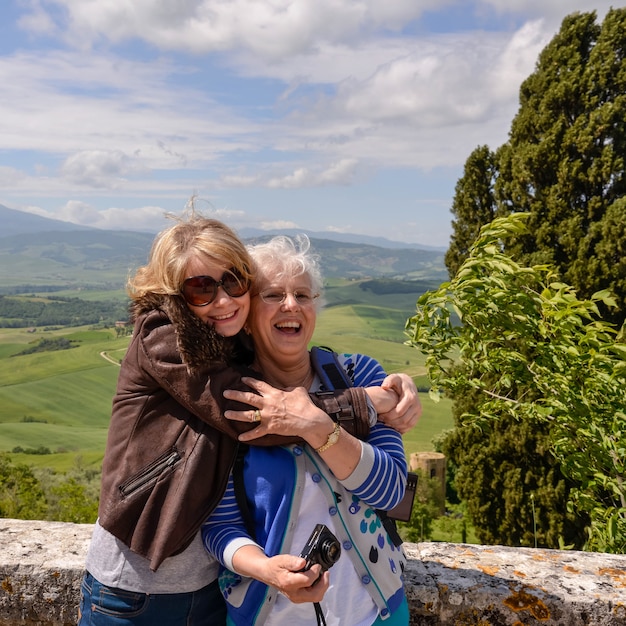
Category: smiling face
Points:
column 282, row 330
column 226, row 314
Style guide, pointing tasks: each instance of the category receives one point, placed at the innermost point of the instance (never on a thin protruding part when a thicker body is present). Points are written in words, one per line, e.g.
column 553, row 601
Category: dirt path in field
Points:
column 106, row 357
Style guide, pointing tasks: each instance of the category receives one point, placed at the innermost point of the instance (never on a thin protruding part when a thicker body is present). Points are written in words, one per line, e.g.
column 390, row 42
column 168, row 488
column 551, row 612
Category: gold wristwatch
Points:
column 333, row 438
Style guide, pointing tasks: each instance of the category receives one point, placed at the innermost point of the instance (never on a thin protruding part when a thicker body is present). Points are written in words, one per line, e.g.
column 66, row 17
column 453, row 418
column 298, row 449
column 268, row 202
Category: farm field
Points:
column 59, row 402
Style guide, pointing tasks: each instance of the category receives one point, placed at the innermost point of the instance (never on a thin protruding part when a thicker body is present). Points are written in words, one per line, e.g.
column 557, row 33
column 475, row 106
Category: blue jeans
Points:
column 107, row 606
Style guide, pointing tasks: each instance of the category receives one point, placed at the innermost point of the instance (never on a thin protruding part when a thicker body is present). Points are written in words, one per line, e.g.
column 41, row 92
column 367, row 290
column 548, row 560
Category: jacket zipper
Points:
column 151, row 473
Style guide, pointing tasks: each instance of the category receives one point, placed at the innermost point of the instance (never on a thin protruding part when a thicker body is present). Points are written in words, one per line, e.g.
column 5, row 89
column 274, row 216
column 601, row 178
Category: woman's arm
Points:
column 224, row 536
column 284, row 572
column 379, row 479
column 395, row 397
column 225, row 531
column 293, row 414
column 397, row 402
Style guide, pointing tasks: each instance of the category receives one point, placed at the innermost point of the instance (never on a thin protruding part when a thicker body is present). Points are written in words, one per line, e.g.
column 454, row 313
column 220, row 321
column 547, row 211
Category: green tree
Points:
column 21, row 495
column 563, row 163
column 473, row 205
column 513, row 487
column 71, row 502
column 542, row 434
column 72, row 496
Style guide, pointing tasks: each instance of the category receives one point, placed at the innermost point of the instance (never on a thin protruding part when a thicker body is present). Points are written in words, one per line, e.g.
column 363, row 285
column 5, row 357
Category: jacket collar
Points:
column 198, row 343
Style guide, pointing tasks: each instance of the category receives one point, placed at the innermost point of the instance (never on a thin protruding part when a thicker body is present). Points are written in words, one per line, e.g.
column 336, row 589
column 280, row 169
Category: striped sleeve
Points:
column 380, row 477
column 363, row 370
column 224, row 532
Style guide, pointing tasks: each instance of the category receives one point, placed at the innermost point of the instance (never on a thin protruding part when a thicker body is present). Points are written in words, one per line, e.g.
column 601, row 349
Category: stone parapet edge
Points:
column 41, row 566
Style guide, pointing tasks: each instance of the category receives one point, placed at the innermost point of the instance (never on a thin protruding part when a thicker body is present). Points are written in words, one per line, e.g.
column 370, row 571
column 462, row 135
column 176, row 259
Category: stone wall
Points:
column 447, row 584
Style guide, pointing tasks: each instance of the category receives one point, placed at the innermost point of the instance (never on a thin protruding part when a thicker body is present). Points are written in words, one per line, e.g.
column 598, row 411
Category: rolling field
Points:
column 61, row 400
column 58, row 400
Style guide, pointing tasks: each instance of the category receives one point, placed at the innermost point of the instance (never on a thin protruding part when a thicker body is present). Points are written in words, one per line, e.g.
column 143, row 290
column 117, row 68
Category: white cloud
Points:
column 270, row 29
column 101, row 168
column 420, row 102
column 37, row 21
column 9, row 176
column 241, row 181
column 341, row 172
column 68, row 102
column 149, row 218
column 278, row 225
column 337, row 174
column 239, row 99
column 553, row 10
column 79, row 212
column 518, row 59
column 340, row 229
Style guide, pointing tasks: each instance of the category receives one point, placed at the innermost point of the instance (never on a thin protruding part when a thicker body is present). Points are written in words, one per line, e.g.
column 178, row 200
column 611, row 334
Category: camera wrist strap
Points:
column 319, row 614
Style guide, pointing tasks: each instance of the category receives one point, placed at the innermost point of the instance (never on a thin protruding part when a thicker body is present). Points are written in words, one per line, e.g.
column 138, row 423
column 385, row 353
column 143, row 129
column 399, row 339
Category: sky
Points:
column 351, row 116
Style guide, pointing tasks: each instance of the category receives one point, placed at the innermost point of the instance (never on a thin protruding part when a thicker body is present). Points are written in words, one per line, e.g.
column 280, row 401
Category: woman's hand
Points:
column 397, row 402
column 288, row 413
column 283, row 572
column 292, row 413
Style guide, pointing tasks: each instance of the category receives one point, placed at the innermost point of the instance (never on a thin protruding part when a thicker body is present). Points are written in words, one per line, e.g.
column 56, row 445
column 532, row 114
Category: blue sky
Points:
column 329, row 115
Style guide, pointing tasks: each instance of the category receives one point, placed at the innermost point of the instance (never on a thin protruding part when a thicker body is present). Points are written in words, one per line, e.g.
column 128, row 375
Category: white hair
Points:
column 283, row 256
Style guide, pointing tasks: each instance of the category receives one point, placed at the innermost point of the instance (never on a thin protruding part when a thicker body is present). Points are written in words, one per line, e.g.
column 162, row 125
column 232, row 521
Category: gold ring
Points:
column 257, row 416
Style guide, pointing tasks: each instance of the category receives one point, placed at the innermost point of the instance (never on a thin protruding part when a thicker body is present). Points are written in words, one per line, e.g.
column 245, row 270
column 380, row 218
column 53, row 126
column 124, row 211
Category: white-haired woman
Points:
column 332, row 479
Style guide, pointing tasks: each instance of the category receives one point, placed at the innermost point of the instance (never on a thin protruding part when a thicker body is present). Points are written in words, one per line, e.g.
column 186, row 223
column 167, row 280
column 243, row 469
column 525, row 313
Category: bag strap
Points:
column 326, row 365
column 333, row 376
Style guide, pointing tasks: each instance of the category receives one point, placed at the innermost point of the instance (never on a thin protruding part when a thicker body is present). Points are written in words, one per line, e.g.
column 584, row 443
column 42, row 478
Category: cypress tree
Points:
column 564, row 162
column 473, row 205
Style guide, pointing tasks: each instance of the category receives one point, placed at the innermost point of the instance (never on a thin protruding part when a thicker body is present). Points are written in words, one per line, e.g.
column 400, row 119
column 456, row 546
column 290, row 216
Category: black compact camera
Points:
column 322, row 547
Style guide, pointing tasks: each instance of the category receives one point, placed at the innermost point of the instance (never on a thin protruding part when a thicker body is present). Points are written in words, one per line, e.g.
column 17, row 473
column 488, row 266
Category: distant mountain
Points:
column 36, row 251
column 382, row 242
column 19, row 223
column 22, row 223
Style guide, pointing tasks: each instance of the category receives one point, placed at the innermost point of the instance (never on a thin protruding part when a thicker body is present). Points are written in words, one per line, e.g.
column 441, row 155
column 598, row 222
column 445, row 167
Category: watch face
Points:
column 333, row 438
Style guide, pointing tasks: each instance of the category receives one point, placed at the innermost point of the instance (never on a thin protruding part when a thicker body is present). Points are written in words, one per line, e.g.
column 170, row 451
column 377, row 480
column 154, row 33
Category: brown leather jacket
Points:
column 170, row 450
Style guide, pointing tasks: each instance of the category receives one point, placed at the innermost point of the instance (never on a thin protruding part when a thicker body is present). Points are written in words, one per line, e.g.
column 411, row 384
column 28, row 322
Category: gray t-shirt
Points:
column 112, row 563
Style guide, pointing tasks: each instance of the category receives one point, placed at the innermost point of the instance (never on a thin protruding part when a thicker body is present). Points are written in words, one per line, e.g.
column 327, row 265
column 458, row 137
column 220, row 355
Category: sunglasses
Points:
column 202, row 290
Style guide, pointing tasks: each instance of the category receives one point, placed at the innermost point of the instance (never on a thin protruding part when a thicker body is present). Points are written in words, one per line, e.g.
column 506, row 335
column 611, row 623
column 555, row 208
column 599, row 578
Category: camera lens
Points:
column 330, row 551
